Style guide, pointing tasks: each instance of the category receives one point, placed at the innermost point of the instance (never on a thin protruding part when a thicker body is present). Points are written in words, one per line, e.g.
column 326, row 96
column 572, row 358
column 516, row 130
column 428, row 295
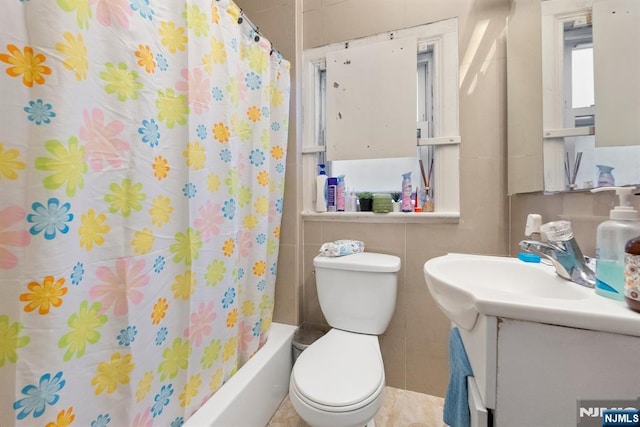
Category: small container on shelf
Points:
column 382, row 203
column 366, row 199
column 428, row 203
column 332, row 193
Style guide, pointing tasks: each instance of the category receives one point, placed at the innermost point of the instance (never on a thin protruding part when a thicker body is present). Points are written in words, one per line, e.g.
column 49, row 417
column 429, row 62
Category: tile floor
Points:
column 400, row 408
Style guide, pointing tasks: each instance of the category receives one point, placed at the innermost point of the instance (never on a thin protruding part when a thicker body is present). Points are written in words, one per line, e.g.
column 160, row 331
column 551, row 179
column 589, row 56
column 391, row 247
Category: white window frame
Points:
column 444, row 136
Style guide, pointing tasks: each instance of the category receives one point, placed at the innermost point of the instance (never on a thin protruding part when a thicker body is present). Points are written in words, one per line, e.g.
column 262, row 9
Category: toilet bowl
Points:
column 338, row 380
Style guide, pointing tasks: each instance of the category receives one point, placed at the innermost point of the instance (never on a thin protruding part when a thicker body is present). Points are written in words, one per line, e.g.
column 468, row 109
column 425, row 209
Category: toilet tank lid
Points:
column 365, row 261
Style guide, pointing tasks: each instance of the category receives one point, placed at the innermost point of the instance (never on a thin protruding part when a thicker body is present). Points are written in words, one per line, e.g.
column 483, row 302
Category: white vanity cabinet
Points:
column 538, row 344
column 534, row 374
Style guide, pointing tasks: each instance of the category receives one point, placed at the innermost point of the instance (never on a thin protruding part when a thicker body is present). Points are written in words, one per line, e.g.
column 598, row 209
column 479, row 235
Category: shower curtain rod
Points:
column 244, row 18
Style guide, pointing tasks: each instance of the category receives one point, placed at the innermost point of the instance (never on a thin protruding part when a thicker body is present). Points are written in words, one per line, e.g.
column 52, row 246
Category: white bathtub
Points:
column 253, row 394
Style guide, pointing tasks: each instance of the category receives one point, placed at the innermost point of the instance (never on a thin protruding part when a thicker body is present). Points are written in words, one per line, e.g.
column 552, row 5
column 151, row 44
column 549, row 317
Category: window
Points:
column 572, row 159
column 436, row 122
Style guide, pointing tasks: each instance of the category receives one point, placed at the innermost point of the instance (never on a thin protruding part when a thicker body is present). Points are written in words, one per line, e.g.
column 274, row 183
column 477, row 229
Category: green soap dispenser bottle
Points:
column 611, row 237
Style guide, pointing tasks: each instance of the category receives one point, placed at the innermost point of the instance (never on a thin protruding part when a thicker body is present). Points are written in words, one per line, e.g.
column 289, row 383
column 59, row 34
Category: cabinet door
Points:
column 481, row 344
column 544, row 370
column 479, row 415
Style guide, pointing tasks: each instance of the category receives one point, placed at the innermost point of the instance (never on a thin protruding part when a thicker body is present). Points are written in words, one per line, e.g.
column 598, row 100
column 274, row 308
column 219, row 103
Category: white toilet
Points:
column 338, row 380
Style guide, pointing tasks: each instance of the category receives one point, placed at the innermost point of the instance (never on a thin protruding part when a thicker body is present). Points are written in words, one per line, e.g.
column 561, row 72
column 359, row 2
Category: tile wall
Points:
column 583, row 209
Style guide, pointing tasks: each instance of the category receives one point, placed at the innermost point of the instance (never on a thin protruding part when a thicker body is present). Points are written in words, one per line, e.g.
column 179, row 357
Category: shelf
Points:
column 391, row 217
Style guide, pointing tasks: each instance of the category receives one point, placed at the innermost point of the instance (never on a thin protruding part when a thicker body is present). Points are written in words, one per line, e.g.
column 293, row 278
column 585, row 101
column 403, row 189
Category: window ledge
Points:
column 391, row 217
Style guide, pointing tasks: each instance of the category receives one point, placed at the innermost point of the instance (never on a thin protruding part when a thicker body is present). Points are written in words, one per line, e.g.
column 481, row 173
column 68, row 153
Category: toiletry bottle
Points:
column 321, row 189
column 405, row 205
column 332, row 189
column 611, row 237
column 417, row 205
column 347, row 200
column 632, row 274
column 349, row 203
column 428, row 202
column 340, row 194
column 605, row 177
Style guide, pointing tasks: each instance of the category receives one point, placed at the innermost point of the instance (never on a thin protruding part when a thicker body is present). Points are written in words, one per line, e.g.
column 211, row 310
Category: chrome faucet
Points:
column 563, row 252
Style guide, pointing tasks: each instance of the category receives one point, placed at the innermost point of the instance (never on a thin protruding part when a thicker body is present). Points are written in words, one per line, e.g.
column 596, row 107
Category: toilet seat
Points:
column 341, row 372
column 335, row 409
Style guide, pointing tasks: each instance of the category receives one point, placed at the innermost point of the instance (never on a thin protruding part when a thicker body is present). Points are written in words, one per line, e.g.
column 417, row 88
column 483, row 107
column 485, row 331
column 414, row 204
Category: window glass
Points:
column 582, row 77
column 579, row 84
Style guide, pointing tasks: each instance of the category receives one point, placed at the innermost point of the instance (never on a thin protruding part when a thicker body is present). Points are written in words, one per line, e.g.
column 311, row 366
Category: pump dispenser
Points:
column 611, row 237
column 321, row 189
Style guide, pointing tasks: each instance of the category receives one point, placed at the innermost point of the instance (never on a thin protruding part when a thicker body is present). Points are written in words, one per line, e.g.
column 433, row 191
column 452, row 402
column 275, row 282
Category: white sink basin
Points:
column 502, row 274
column 465, row 286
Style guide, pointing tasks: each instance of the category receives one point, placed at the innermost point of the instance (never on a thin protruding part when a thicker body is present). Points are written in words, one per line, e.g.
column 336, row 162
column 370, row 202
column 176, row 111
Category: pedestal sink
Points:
column 465, row 286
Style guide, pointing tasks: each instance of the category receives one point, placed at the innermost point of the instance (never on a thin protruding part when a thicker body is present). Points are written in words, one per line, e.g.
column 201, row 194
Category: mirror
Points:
column 557, row 51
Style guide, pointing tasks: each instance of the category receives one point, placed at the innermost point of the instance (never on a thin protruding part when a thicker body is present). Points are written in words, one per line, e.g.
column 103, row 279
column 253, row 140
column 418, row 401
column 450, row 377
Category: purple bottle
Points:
column 332, row 192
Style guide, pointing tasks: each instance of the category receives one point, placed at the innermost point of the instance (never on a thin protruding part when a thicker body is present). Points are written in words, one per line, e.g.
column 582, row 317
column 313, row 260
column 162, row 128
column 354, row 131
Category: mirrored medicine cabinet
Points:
column 573, row 92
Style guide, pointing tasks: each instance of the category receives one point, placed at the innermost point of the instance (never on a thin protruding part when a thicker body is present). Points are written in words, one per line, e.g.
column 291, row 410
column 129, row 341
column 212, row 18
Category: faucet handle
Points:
column 557, row 231
column 534, row 221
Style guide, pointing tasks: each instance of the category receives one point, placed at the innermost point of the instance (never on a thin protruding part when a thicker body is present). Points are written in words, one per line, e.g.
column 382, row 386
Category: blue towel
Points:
column 456, row 405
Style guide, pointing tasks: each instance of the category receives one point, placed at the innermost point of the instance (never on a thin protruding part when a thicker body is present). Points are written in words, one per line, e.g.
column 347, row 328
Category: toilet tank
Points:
column 357, row 292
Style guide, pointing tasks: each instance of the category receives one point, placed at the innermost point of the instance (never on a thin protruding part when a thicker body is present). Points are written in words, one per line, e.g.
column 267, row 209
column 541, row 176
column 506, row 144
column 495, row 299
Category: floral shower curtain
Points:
column 142, row 160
